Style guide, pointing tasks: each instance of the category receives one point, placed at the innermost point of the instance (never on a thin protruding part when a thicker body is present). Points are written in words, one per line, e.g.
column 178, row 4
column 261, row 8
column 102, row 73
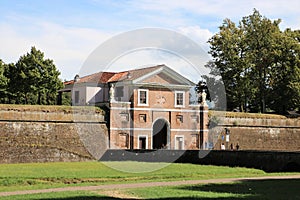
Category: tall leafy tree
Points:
column 285, row 76
column 251, row 57
column 3, row 83
column 36, row 79
column 260, row 38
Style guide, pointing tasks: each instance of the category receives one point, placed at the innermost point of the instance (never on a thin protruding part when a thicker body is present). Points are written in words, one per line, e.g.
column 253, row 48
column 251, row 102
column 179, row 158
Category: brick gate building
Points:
column 148, row 108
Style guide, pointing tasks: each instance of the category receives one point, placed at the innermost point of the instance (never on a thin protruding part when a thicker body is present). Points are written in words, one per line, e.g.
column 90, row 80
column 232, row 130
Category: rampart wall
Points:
column 276, row 134
column 43, row 135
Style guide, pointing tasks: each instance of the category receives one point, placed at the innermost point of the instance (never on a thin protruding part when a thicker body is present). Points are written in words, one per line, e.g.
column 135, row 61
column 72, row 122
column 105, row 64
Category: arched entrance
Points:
column 160, row 134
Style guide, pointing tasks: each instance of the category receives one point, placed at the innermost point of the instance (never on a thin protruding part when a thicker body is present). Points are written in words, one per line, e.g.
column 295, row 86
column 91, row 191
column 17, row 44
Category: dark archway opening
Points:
column 160, row 134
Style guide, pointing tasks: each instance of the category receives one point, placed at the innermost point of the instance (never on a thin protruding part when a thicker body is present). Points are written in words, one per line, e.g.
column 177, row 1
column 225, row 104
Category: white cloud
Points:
column 233, row 9
column 152, row 57
column 200, row 36
column 67, row 46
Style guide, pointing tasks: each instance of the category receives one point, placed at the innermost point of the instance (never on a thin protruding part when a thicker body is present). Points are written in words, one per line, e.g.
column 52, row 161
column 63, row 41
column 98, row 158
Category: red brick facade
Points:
column 161, row 122
column 149, row 109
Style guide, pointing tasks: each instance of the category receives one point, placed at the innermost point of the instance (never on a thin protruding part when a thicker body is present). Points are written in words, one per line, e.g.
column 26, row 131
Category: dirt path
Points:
column 140, row 185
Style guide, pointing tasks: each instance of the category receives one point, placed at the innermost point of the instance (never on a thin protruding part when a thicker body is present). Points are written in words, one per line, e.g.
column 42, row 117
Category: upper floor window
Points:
column 179, row 99
column 76, row 97
column 119, row 91
column 143, row 97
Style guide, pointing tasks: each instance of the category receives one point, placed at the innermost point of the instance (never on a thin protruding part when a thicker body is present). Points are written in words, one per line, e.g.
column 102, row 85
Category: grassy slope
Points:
column 46, row 175
column 252, row 190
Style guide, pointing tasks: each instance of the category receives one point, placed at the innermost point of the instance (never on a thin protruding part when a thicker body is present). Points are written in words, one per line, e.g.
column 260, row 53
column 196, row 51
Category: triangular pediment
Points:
column 163, row 79
column 163, row 76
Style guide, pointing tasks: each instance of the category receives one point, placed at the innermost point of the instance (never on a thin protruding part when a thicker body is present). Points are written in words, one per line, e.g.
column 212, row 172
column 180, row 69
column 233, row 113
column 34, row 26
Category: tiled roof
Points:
column 107, row 77
column 100, row 77
column 133, row 74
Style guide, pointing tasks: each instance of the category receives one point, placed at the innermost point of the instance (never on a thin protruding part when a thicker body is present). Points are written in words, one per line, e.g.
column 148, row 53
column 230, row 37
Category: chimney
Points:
column 76, row 78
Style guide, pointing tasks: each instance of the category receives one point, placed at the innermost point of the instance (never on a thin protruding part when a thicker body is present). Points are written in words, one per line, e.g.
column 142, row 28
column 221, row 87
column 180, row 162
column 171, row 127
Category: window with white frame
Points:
column 179, row 142
column 179, row 99
column 143, row 97
column 143, row 142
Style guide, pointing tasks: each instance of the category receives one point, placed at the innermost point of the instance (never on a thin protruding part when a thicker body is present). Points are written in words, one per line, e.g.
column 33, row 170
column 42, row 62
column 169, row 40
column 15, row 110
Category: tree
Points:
column 285, row 76
column 3, row 83
column 251, row 57
column 35, row 80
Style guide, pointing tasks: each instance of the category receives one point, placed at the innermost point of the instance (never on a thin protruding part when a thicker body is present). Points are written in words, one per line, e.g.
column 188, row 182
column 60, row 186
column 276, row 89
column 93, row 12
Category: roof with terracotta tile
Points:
column 100, row 77
column 108, row 77
column 133, row 74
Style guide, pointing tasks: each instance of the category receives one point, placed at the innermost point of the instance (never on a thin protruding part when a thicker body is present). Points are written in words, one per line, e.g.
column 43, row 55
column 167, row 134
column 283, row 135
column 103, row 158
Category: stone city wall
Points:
column 279, row 133
column 28, row 134
column 51, row 134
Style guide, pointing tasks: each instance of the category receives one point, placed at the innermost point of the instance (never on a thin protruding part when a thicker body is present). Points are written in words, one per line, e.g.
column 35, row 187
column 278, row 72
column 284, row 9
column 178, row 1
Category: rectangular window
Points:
column 124, row 117
column 76, row 97
column 143, row 97
column 123, row 140
column 179, row 118
column 179, row 99
column 119, row 91
column 143, row 142
column 143, row 117
column 179, row 142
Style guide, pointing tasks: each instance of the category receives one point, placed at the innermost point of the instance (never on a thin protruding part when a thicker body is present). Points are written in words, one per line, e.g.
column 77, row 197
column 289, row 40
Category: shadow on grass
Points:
column 253, row 189
column 247, row 190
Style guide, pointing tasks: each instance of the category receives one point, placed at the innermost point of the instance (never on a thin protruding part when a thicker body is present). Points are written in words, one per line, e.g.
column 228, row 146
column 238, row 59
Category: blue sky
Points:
column 68, row 31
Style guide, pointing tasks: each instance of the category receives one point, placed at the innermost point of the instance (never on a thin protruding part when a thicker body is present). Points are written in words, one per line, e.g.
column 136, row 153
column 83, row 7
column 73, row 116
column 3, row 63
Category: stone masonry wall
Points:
column 50, row 136
column 282, row 134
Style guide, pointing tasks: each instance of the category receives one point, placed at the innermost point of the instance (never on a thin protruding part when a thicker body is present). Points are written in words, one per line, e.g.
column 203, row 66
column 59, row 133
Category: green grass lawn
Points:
column 254, row 189
column 49, row 175
column 247, row 190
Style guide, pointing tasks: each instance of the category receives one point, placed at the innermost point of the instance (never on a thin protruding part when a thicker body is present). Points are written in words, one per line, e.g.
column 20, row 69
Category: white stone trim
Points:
column 160, row 109
column 185, row 130
column 147, row 97
column 150, row 129
column 130, row 129
column 142, row 136
column 183, row 99
column 175, row 143
column 168, row 132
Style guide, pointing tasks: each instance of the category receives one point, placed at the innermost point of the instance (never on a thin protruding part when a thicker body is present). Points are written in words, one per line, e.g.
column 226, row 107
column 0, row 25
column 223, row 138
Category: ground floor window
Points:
column 179, row 142
column 143, row 141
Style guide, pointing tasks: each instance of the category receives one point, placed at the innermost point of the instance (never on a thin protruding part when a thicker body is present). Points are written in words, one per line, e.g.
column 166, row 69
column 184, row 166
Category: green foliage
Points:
column 3, row 80
column 66, row 98
column 32, row 80
column 259, row 64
